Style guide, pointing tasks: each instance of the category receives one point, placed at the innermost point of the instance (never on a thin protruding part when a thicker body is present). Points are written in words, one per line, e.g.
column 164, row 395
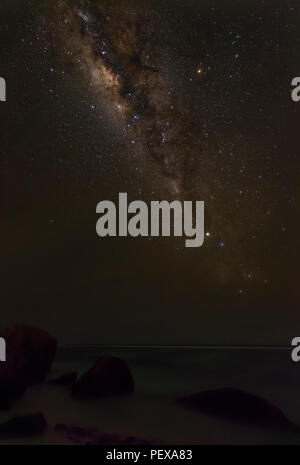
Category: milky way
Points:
column 122, row 57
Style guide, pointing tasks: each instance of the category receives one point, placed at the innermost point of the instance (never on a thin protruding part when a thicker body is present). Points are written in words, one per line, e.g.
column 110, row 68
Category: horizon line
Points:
column 174, row 346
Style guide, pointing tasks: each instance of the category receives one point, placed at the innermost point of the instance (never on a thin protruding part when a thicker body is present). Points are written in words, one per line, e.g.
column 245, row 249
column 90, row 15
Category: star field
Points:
column 191, row 91
column 171, row 100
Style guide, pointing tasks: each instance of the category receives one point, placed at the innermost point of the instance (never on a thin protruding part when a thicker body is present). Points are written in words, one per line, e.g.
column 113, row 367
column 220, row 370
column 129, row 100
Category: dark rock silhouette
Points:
column 109, row 375
column 29, row 355
column 27, row 425
column 239, row 406
column 65, row 380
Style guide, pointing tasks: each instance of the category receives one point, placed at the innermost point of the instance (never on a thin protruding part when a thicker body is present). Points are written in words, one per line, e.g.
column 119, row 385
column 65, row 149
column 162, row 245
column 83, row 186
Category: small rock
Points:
column 60, row 428
column 91, row 436
column 109, row 375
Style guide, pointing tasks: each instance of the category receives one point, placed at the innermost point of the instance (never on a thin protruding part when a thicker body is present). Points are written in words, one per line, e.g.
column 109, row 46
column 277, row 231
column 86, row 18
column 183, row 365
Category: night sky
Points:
column 164, row 100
